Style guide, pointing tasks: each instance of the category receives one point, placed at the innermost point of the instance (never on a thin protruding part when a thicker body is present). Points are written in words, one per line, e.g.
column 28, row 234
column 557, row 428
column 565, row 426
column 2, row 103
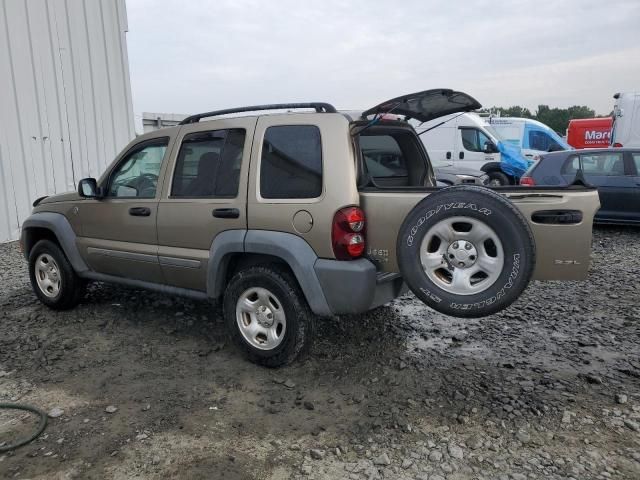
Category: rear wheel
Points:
column 267, row 315
column 498, row 179
column 52, row 277
column 466, row 251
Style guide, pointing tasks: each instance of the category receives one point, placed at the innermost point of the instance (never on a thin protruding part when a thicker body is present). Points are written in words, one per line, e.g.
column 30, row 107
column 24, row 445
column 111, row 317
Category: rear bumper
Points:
column 355, row 286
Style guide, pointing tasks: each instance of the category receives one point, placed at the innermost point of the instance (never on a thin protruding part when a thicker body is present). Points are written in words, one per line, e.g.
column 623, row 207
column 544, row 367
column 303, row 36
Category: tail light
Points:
column 527, row 182
column 618, row 145
column 348, row 233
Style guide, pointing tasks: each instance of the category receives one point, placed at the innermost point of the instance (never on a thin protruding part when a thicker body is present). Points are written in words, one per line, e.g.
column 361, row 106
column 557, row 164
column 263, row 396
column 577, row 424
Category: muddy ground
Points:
column 549, row 388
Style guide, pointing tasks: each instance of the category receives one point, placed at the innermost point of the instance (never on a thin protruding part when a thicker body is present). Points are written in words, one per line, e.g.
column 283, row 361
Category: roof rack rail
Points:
column 319, row 107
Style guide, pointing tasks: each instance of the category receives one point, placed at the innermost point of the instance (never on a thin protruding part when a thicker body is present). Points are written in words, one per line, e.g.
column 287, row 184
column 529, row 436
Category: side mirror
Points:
column 489, row 148
column 88, row 188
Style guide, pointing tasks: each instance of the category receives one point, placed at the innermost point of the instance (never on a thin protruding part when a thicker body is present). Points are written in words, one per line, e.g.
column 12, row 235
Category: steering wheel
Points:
column 145, row 184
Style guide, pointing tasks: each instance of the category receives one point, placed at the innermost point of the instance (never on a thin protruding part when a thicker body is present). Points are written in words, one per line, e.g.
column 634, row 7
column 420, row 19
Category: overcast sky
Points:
column 188, row 56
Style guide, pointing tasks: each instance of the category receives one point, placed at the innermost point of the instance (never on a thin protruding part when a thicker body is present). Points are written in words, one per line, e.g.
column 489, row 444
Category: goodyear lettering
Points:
column 515, row 270
column 445, row 206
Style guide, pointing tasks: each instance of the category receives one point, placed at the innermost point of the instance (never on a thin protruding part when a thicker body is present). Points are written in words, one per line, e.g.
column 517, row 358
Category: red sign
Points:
column 589, row 132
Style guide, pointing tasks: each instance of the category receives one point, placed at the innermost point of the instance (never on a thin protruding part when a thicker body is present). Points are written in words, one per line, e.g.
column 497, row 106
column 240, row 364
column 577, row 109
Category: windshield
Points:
column 499, row 137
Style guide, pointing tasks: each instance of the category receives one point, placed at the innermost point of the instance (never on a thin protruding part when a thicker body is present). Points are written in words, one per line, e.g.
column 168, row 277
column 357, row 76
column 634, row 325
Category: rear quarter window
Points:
column 571, row 165
column 291, row 163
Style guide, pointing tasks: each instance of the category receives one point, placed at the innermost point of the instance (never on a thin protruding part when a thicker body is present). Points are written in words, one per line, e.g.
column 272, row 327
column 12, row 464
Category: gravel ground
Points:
column 145, row 386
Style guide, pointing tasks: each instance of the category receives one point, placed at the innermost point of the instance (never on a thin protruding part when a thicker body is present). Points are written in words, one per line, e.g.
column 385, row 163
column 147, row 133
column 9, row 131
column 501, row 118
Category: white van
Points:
column 534, row 138
column 626, row 120
column 464, row 141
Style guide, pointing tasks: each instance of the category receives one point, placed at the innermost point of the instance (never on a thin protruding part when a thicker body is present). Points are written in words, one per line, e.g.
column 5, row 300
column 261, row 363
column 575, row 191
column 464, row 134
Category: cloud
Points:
column 196, row 55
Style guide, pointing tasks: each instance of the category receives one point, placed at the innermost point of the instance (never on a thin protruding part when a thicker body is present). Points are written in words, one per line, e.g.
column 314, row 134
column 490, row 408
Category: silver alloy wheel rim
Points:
column 462, row 255
column 261, row 318
column 494, row 182
column 47, row 275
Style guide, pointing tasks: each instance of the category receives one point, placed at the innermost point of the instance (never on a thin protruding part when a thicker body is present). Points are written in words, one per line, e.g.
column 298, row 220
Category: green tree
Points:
column 513, row 111
column 556, row 118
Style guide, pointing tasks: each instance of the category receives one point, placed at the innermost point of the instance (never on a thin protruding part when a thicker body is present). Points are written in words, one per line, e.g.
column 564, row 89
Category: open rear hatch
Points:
column 426, row 105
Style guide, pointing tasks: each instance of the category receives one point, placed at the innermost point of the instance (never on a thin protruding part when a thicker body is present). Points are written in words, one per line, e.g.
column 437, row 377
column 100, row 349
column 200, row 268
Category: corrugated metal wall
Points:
column 65, row 98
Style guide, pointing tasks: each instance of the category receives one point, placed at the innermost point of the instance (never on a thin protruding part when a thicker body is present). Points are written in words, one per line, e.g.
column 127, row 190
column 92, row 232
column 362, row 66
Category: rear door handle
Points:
column 448, row 155
column 226, row 213
column 461, row 156
column 140, row 211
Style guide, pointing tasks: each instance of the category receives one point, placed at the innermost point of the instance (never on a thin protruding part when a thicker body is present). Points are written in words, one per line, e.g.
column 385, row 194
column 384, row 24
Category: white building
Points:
column 65, row 98
column 156, row 121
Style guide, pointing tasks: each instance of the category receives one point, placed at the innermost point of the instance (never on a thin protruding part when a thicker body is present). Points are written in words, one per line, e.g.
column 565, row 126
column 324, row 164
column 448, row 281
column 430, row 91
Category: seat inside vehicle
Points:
column 392, row 158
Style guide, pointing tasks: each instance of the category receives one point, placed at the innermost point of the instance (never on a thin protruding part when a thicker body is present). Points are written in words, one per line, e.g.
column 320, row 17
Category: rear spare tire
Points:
column 466, row 251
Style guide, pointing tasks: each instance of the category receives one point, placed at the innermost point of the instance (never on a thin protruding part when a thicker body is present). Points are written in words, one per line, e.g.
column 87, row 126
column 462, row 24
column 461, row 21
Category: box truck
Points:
column 626, row 120
column 589, row 132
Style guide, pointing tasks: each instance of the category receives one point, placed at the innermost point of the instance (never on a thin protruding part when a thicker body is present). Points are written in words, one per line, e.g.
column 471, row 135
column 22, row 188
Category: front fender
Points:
column 61, row 228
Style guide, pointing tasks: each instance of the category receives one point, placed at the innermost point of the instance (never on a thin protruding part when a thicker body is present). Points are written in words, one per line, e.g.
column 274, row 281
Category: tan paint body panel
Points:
column 339, row 179
column 172, row 245
column 64, row 204
column 109, row 232
column 385, row 212
column 186, row 226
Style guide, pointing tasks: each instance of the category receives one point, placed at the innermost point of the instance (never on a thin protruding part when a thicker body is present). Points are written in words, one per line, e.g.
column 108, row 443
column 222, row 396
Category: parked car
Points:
column 589, row 132
column 450, row 175
column 626, row 120
column 281, row 219
column 615, row 172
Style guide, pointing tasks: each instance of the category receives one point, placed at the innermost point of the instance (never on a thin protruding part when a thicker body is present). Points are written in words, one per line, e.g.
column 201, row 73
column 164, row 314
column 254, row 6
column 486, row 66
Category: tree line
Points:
column 555, row 118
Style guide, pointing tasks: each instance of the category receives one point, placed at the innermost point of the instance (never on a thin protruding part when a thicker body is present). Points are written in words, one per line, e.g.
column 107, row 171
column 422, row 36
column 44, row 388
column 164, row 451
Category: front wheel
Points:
column 498, row 179
column 267, row 315
column 52, row 277
column 466, row 251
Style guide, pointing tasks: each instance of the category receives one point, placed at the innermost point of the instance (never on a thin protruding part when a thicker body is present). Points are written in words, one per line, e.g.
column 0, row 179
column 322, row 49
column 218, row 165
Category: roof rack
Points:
column 319, row 107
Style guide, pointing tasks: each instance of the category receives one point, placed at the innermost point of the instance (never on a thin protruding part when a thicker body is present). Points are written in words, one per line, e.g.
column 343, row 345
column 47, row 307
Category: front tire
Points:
column 267, row 315
column 498, row 179
column 53, row 279
column 466, row 251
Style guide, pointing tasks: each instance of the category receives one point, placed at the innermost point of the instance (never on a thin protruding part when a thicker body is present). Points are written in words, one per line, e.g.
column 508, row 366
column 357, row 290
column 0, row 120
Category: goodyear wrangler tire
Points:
column 466, row 251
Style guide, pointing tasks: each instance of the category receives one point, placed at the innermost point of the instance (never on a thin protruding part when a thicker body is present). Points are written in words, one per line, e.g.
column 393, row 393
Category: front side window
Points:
column 137, row 175
column 383, row 156
column 291, row 164
column 473, row 140
column 208, row 164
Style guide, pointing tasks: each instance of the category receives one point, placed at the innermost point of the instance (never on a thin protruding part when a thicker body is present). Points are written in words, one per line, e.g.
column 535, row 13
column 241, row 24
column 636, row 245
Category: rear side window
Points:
column 599, row 164
column 291, row 165
column 209, row 164
column 383, row 156
column 605, row 164
column 636, row 161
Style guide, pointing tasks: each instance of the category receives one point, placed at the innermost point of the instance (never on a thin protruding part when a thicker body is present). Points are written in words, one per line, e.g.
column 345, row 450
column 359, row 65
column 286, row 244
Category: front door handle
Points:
column 139, row 211
column 226, row 213
column 461, row 156
column 448, row 155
